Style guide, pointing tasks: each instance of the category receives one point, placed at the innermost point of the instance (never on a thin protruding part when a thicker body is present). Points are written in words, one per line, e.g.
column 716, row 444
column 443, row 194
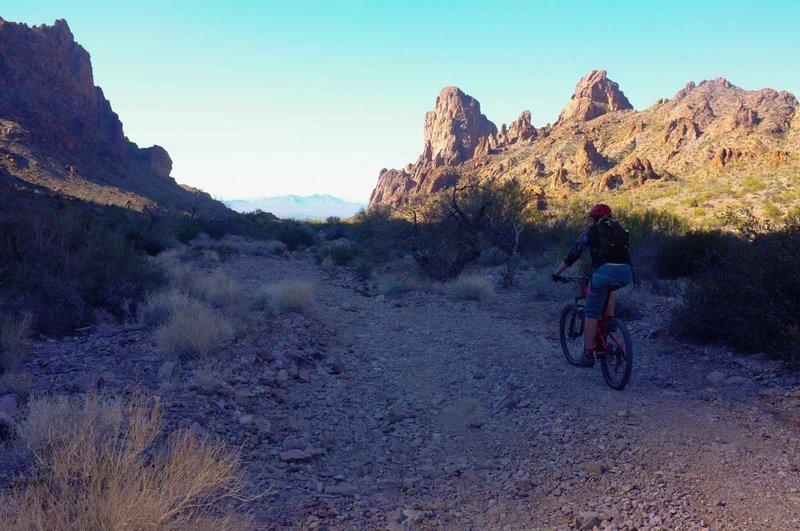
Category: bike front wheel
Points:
column 571, row 333
column 617, row 363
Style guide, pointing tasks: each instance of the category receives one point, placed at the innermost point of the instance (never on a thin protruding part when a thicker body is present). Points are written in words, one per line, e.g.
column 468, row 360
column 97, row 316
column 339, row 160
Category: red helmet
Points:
column 600, row 211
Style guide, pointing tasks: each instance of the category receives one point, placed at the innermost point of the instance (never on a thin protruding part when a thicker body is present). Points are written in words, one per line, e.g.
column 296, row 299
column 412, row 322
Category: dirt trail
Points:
column 414, row 411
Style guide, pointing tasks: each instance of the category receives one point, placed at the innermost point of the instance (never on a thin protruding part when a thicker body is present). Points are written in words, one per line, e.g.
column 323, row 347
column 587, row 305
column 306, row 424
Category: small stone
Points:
column 166, row 370
column 380, row 298
column 342, row 489
column 587, row 520
column 9, row 404
column 595, row 469
column 246, row 420
column 296, row 456
column 715, row 377
column 283, row 375
column 197, row 429
column 523, row 486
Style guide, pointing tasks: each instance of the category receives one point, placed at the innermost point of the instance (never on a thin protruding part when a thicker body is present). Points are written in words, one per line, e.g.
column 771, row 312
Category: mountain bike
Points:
column 613, row 344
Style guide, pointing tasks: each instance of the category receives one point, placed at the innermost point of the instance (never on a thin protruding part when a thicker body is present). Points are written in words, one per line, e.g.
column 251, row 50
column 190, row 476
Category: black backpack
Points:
column 609, row 242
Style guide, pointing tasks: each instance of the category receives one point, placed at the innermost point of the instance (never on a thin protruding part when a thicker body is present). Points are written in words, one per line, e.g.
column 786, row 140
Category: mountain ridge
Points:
column 601, row 145
column 59, row 134
column 315, row 206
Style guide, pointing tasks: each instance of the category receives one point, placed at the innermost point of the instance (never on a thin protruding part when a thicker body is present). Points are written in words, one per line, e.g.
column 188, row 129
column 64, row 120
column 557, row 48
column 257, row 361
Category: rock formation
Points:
column 633, row 170
column 455, row 132
column 599, row 144
column 454, row 128
column 51, row 113
column 595, row 95
column 521, row 129
column 588, row 159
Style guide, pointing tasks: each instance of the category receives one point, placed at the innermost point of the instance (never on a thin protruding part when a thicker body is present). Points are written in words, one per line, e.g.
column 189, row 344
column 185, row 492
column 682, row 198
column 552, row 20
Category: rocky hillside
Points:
column 706, row 144
column 59, row 134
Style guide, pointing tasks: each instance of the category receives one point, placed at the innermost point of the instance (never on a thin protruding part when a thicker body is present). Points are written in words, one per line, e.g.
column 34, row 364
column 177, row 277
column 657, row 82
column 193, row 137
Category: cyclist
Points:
column 607, row 242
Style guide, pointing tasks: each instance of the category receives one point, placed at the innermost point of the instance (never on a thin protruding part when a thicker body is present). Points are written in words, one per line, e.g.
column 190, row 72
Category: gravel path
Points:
column 414, row 411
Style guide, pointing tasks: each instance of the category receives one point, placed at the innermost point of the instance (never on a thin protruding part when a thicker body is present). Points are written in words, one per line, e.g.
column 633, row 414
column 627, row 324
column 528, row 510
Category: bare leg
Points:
column 610, row 305
column 591, row 333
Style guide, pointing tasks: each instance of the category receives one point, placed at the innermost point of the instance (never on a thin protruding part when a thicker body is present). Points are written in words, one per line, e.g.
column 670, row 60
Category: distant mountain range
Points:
column 299, row 207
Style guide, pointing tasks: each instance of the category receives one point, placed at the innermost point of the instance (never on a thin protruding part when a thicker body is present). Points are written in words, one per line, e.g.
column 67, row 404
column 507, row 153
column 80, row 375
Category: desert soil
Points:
column 414, row 411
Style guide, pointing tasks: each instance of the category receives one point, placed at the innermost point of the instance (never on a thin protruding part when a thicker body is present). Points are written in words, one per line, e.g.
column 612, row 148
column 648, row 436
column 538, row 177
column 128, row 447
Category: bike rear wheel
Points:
column 617, row 363
column 571, row 333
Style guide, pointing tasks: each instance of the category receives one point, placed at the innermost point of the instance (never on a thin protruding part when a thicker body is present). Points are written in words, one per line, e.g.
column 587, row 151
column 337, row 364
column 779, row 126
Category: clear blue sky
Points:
column 255, row 98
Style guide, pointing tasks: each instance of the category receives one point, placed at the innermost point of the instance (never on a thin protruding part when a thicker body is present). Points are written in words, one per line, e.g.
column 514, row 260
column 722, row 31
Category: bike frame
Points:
column 600, row 341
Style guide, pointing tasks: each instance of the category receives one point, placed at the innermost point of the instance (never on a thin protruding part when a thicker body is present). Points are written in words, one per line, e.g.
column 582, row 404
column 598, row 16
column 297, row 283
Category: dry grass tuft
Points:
column 192, row 332
column 470, row 287
column 14, row 333
column 393, row 283
column 217, row 288
column 160, row 306
column 17, row 383
column 98, row 464
column 246, row 246
column 288, row 296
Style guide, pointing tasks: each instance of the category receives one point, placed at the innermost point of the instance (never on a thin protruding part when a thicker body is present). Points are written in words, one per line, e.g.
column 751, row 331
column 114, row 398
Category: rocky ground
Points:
column 414, row 411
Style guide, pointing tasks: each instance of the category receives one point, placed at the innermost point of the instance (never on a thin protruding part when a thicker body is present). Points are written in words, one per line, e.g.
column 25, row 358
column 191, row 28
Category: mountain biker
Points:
column 607, row 242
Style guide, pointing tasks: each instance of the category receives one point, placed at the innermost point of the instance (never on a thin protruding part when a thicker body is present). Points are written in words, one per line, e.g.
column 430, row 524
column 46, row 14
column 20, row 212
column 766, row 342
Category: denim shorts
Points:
column 598, row 287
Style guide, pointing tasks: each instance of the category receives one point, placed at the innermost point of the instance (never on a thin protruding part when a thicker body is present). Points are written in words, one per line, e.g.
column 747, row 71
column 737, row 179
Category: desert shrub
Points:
column 470, row 287
column 246, row 246
column 216, row 288
column 747, row 295
column 99, row 464
column 682, row 255
column 294, row 235
column 187, row 229
column 14, row 332
column 493, row 256
column 393, row 283
column 363, row 268
column 340, row 252
column 287, row 296
column 158, row 307
column 192, row 332
column 452, row 229
column 381, row 231
column 63, row 260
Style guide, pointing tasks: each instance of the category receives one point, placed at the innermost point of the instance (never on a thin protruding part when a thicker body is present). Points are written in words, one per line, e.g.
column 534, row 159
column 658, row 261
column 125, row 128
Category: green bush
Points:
column 63, row 260
column 747, row 295
column 683, row 255
column 340, row 253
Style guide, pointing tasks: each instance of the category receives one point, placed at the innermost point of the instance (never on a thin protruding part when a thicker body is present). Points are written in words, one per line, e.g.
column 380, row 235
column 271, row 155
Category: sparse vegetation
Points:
column 192, row 331
column 747, row 294
column 99, row 464
column 470, row 287
column 288, row 296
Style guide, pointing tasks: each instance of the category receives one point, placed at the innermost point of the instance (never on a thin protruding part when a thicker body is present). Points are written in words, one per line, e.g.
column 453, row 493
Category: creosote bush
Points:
column 287, row 296
column 101, row 464
column 747, row 294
